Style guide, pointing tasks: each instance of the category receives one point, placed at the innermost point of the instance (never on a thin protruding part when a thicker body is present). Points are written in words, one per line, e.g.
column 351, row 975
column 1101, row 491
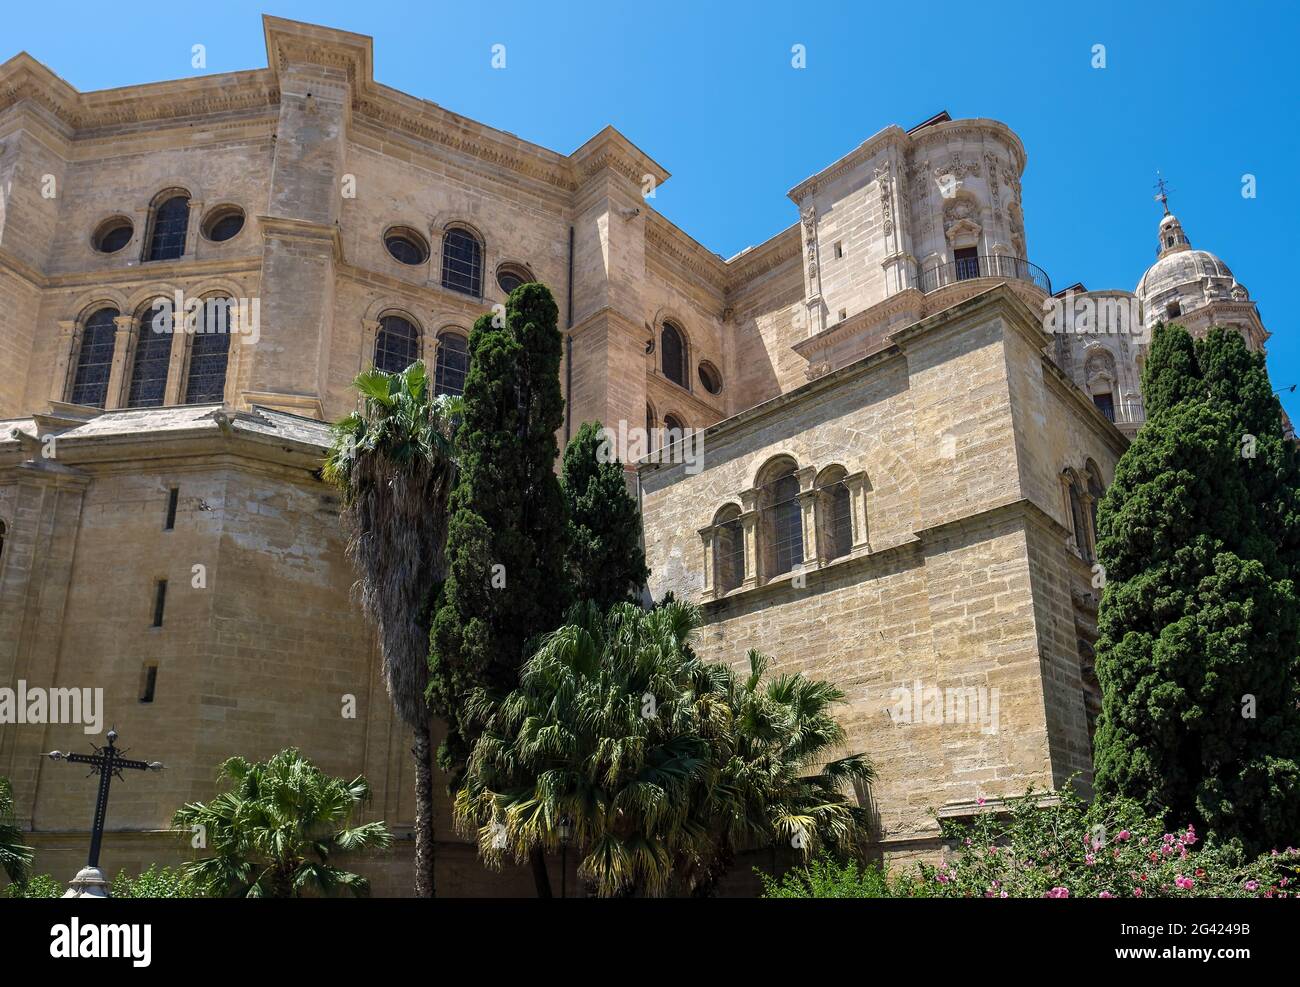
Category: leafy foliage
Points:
column 507, row 578
column 1053, row 845
column 393, row 464
column 606, row 561
column 36, row 886
column 155, row 882
column 662, row 765
column 826, row 877
column 1199, row 620
column 15, row 855
column 272, row 835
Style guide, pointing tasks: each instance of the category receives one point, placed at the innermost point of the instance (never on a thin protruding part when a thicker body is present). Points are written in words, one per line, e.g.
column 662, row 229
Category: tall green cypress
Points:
column 507, row 577
column 606, row 560
column 1199, row 621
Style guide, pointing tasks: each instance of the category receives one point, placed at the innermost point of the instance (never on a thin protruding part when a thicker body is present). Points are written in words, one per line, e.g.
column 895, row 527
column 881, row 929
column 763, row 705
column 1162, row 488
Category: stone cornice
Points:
column 748, row 266
column 684, row 250
column 24, row 78
column 882, row 312
column 611, row 150
column 276, row 227
column 893, row 134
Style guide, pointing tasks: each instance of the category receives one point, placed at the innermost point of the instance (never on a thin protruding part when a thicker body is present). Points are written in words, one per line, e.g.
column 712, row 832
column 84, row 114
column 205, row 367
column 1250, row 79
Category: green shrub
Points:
column 39, row 886
column 155, row 883
column 826, row 877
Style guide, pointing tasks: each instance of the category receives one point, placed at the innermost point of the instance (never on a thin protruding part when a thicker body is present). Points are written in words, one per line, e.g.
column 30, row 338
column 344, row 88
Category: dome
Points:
column 1179, row 264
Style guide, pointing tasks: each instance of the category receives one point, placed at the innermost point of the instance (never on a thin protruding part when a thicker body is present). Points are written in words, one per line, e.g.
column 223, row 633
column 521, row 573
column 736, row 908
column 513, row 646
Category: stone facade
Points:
column 883, row 359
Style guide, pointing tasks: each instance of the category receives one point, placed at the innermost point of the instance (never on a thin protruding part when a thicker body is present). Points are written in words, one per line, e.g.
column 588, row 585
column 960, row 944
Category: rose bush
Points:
column 1054, row 845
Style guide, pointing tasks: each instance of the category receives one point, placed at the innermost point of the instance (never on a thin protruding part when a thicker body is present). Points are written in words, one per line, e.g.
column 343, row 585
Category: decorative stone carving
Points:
column 886, row 202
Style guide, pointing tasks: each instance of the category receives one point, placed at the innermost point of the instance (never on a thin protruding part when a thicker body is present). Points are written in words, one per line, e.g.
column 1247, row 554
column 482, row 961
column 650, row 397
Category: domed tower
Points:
column 1195, row 288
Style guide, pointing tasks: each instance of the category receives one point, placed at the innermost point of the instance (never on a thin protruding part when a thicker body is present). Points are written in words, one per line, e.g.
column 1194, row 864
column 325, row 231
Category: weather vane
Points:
column 1162, row 193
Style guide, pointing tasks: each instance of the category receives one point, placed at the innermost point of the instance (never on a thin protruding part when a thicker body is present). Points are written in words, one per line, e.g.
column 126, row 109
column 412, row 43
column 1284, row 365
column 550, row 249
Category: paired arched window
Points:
column 152, row 357
column 462, row 262
column 728, row 550
column 171, row 220
column 95, row 359
column 397, row 344
column 674, row 429
column 672, row 347
column 452, row 364
column 205, row 379
column 835, row 512
column 782, row 519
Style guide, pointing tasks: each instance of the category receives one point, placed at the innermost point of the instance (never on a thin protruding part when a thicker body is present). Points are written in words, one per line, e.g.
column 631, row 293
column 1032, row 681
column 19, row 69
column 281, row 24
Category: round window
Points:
column 406, row 246
column 113, row 235
column 710, row 378
column 223, row 223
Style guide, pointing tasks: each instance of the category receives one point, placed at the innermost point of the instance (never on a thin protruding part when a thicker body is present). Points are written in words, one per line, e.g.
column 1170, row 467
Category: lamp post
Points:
column 107, row 762
column 566, row 834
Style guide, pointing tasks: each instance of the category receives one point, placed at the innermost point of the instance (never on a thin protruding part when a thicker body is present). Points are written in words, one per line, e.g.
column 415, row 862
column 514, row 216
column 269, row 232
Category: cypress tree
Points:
column 606, row 561
column 507, row 578
column 1199, row 621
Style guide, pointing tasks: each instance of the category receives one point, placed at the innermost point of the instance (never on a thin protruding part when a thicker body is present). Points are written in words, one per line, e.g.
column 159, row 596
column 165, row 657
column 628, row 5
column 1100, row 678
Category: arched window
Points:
column 673, row 351
column 728, row 550
column 205, row 382
column 153, row 351
column 1095, row 492
column 462, row 262
column 95, row 359
column 397, row 344
column 783, row 519
column 674, row 430
column 453, row 364
column 3, row 531
column 649, row 420
column 1078, row 521
column 167, row 235
column 836, row 510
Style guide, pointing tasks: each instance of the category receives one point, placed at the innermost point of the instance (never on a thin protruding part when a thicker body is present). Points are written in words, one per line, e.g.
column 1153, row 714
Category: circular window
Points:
column 510, row 277
column 113, row 234
column 406, row 246
column 222, row 223
column 710, row 378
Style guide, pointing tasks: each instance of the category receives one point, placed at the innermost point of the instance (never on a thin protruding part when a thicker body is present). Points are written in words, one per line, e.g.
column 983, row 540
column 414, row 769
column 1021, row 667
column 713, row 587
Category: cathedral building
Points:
column 902, row 426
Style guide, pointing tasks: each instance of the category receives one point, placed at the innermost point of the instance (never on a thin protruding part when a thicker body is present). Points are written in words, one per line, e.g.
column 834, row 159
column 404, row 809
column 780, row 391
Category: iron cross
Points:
column 106, row 762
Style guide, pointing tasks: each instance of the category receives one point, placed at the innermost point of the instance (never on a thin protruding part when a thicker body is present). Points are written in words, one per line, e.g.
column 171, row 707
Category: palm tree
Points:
column 392, row 460
column 273, row 834
column 15, row 856
column 659, row 765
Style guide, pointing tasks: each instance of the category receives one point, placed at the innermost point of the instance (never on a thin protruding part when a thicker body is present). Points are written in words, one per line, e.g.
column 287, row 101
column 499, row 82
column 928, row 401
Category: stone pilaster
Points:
column 858, row 487
column 63, row 360
column 123, row 346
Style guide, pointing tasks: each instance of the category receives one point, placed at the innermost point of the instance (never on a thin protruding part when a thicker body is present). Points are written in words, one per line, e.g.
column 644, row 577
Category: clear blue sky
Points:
column 1204, row 92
